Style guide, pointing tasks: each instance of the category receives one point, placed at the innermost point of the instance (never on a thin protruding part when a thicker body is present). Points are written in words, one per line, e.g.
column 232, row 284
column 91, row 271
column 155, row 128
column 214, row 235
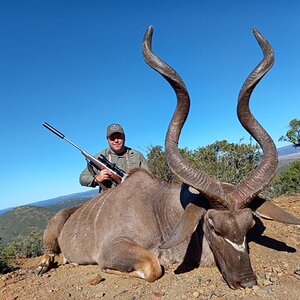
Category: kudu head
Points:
column 228, row 219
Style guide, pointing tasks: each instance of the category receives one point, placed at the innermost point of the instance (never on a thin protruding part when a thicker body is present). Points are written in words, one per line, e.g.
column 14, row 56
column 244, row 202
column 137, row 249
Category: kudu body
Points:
column 142, row 223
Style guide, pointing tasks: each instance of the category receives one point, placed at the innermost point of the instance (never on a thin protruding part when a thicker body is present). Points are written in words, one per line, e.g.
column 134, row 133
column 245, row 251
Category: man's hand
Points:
column 104, row 174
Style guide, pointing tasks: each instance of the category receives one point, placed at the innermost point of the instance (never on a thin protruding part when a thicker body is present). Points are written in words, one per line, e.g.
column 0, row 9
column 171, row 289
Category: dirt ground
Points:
column 274, row 252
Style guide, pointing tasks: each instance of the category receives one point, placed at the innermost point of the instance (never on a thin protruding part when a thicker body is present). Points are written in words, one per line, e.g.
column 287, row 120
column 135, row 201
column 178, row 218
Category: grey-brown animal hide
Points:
column 142, row 211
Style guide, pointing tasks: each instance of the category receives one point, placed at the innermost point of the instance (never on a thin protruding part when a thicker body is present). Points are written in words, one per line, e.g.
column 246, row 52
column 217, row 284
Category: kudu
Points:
column 142, row 223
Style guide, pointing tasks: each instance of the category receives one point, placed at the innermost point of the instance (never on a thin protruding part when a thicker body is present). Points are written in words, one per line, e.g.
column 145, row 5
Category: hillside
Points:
column 76, row 198
column 60, row 202
column 57, row 206
column 287, row 150
column 23, row 220
column 284, row 163
column 287, row 155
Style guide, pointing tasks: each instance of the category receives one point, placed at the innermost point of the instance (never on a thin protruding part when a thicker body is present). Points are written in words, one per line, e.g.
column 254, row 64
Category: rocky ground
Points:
column 275, row 257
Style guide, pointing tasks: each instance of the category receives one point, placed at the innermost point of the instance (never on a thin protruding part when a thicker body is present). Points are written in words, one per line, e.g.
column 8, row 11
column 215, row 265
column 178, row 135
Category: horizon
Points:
column 90, row 190
column 79, row 67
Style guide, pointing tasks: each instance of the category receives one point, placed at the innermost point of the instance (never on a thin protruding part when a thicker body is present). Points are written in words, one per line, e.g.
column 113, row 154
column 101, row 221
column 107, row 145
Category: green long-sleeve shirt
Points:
column 130, row 159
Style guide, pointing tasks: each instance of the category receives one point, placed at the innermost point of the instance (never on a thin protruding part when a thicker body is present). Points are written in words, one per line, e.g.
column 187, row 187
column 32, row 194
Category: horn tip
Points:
column 150, row 29
column 148, row 33
column 147, row 41
column 257, row 33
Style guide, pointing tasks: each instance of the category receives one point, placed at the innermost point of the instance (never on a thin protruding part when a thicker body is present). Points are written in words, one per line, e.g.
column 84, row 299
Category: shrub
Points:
column 5, row 262
column 287, row 182
column 229, row 162
column 157, row 164
column 25, row 247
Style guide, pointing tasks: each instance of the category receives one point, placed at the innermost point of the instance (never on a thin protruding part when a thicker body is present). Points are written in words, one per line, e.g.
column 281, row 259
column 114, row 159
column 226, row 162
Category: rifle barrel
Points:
column 61, row 135
column 55, row 131
column 99, row 164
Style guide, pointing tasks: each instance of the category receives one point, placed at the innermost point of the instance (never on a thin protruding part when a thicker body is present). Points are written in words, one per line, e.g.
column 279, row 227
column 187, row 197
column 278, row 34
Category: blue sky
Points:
column 78, row 66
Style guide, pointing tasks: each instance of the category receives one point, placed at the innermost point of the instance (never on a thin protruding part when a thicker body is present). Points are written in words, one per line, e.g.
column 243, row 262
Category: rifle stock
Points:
column 116, row 173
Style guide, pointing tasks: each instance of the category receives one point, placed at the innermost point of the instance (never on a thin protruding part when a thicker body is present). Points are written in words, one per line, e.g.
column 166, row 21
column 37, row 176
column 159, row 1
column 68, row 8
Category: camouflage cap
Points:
column 113, row 128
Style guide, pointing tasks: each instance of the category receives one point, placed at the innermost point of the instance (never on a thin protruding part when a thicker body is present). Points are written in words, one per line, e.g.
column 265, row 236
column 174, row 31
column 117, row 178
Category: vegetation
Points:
column 224, row 161
column 20, row 247
column 157, row 164
column 22, row 221
column 293, row 134
column 228, row 162
column 287, row 182
column 25, row 246
column 5, row 262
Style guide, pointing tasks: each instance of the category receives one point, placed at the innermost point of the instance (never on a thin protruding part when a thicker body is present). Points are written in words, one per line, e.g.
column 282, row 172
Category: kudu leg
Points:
column 51, row 234
column 128, row 258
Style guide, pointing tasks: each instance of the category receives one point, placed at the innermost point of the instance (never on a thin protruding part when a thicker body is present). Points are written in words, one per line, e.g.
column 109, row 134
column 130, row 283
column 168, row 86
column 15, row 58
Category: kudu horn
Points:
column 214, row 190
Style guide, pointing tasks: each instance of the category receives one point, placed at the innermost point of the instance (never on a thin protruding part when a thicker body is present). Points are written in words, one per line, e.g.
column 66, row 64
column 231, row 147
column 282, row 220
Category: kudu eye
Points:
column 211, row 224
column 213, row 227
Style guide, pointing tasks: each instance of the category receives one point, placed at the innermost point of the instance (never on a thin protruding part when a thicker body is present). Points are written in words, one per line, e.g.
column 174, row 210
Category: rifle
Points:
column 101, row 163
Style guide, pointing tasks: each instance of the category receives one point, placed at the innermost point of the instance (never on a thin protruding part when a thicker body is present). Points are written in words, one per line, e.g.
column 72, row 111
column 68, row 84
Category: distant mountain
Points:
column 2, row 211
column 288, row 150
column 57, row 206
column 23, row 220
column 286, row 155
column 62, row 201
column 35, row 217
column 83, row 195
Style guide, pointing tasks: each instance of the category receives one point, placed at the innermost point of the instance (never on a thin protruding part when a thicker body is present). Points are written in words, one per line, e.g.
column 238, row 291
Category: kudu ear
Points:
column 185, row 227
column 266, row 209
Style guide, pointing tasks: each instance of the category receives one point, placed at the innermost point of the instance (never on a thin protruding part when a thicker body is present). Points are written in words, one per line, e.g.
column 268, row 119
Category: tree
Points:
column 229, row 162
column 157, row 164
column 293, row 134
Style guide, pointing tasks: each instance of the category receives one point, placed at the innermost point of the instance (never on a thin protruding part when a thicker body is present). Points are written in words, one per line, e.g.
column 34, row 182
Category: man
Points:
column 123, row 157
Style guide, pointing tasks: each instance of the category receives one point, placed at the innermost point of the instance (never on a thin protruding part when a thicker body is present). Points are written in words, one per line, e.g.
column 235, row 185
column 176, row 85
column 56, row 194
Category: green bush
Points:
column 287, row 182
column 228, row 162
column 5, row 262
column 157, row 164
column 25, row 247
column 20, row 247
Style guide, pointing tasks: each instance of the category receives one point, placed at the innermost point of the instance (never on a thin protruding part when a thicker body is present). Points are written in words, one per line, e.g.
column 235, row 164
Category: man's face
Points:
column 116, row 142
